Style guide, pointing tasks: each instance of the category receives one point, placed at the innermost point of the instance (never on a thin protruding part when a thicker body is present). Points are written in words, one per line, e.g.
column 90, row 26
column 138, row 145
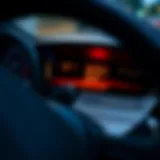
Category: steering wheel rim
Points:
column 87, row 11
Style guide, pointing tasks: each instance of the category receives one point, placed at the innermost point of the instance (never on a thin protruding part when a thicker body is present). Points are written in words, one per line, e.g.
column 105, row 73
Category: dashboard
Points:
column 87, row 71
column 105, row 82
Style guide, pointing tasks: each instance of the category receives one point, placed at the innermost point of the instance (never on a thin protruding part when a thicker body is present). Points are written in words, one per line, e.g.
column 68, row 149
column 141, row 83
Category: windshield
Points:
column 145, row 9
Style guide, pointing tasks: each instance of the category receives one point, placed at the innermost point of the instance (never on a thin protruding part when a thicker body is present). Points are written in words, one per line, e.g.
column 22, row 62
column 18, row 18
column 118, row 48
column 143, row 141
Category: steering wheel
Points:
column 29, row 130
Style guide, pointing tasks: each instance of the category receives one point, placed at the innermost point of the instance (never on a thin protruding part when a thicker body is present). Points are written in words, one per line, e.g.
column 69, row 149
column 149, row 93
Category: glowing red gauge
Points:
column 99, row 53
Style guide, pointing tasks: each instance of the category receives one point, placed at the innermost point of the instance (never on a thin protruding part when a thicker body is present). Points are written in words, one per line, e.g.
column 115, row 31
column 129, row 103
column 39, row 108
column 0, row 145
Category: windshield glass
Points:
column 148, row 9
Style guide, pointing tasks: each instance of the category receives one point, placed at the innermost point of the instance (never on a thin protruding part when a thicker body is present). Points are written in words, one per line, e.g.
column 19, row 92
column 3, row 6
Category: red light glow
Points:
column 99, row 53
column 97, row 85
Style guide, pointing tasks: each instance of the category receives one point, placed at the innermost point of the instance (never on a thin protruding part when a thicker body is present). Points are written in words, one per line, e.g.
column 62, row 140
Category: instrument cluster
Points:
column 92, row 68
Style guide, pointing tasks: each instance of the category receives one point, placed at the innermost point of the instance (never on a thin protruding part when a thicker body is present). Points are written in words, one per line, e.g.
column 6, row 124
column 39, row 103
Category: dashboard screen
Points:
column 92, row 68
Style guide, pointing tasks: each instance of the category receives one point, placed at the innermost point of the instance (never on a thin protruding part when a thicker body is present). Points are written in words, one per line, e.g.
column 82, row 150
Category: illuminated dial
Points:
column 95, row 72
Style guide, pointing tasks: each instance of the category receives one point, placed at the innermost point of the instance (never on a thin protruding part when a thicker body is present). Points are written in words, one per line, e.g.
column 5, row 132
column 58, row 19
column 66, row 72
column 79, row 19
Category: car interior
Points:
column 80, row 82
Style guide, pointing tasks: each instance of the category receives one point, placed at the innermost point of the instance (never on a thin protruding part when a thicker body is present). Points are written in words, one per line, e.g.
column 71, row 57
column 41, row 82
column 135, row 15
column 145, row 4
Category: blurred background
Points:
column 149, row 9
